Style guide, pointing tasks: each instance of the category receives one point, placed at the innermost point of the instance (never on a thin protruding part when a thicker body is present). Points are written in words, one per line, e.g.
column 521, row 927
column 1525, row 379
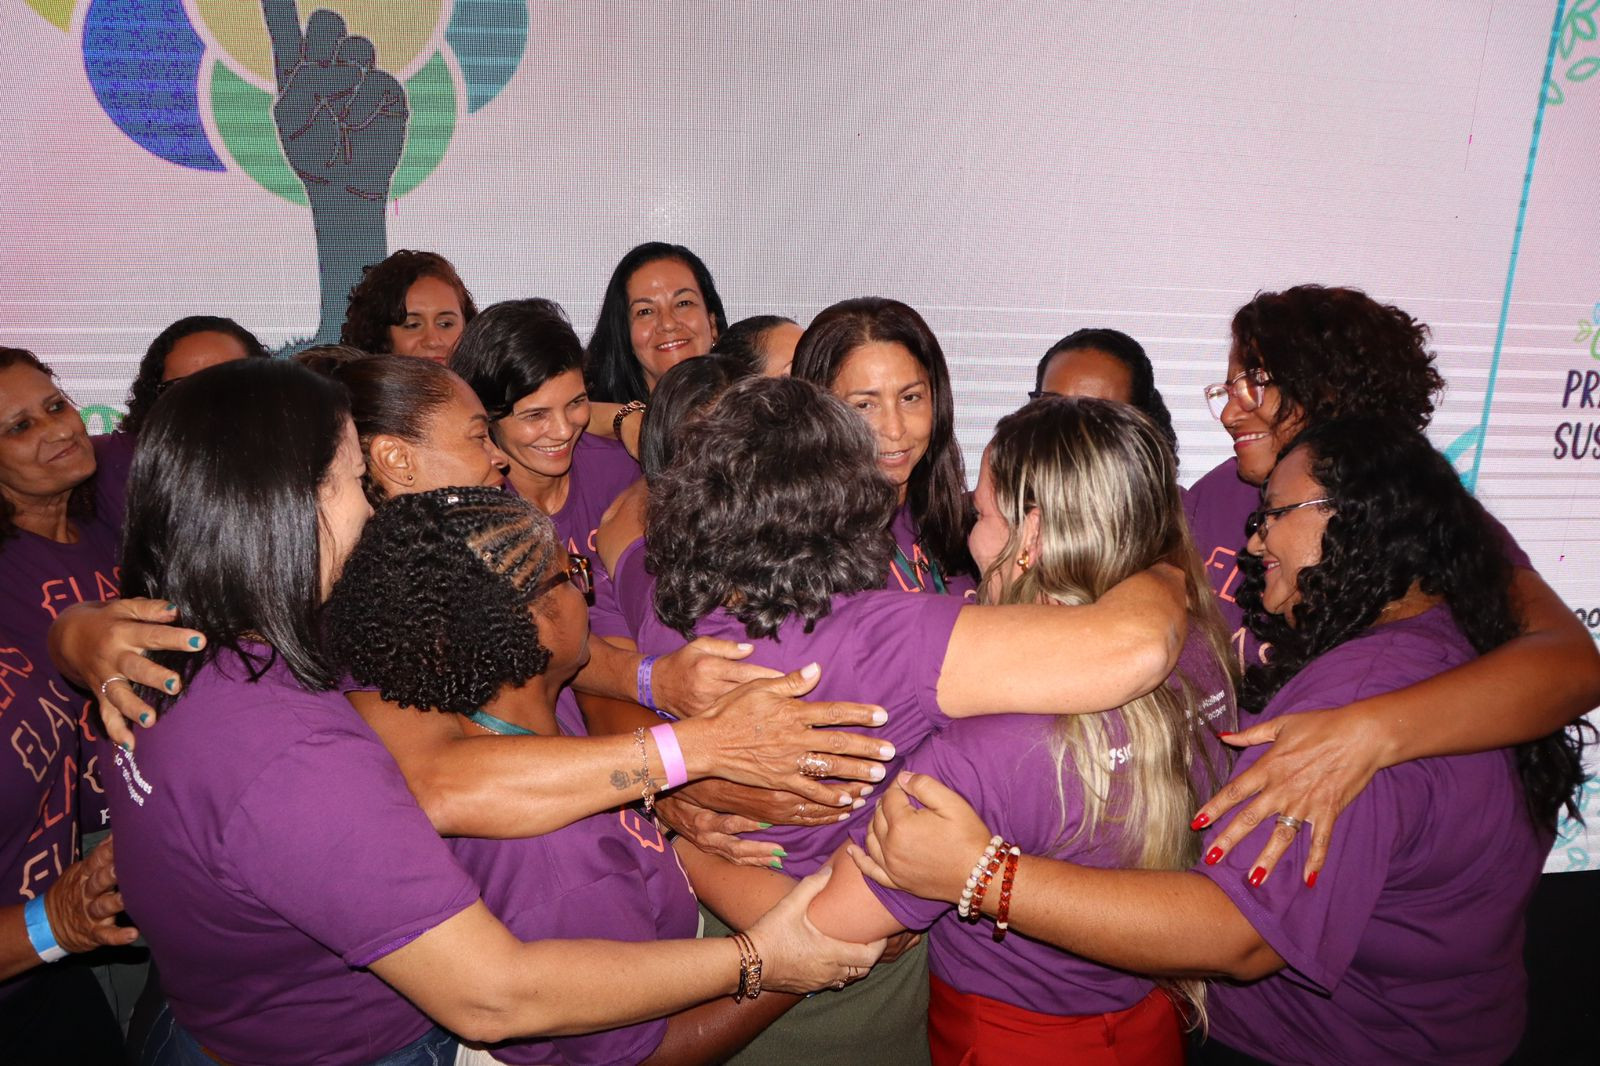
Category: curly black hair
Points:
column 378, row 300
column 1131, row 354
column 432, row 605
column 773, row 504
column 147, row 382
column 936, row 495
column 1338, row 353
column 1400, row 517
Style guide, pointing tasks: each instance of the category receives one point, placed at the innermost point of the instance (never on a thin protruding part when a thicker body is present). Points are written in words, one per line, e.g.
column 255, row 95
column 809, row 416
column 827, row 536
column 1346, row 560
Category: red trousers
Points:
column 971, row 1030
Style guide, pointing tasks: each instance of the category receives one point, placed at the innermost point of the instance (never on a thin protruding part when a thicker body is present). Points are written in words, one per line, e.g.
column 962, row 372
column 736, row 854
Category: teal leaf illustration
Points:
column 1552, row 93
column 1584, row 329
column 1583, row 69
column 1578, row 26
column 1463, row 444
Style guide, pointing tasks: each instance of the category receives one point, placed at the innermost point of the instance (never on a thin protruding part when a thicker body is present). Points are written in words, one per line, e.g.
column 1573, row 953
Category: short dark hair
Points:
column 392, row 395
column 682, row 394
column 432, row 605
column 610, row 368
column 1338, row 353
column 512, row 349
column 1131, row 354
column 378, row 300
column 80, row 504
column 1400, row 517
column 746, row 339
column 153, row 367
column 774, row 504
column 937, row 491
column 223, row 511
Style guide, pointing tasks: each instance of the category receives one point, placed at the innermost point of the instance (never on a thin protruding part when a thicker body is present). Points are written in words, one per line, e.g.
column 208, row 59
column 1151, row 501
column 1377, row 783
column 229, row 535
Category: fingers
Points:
column 144, row 609
column 930, row 792
column 116, row 724
column 823, row 793
column 324, row 31
column 100, row 875
column 155, row 636
column 723, row 649
column 795, row 682
column 1261, row 733
column 842, row 767
column 1317, row 853
column 869, row 866
column 357, row 50
column 840, row 712
column 1242, row 825
column 1242, row 787
column 1279, row 841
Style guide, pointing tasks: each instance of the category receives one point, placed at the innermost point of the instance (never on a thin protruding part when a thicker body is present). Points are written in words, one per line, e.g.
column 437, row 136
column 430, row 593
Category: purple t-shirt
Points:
column 1003, row 766
column 601, row 469
column 1409, row 948
column 1217, row 507
column 47, row 788
column 605, row 617
column 913, row 574
column 608, row 876
column 879, row 647
column 268, row 849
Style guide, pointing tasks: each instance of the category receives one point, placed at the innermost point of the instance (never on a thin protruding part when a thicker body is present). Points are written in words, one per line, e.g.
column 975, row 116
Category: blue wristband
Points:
column 646, row 691
column 40, row 935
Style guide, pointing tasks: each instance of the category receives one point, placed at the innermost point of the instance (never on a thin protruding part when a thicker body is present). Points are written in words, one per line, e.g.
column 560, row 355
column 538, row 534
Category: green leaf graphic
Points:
column 1552, row 93
column 1583, row 69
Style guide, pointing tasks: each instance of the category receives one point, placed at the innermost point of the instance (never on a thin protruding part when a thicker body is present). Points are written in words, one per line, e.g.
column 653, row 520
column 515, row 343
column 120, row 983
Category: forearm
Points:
column 739, row 895
column 611, row 672
column 606, row 715
column 715, row 1031
column 1156, row 922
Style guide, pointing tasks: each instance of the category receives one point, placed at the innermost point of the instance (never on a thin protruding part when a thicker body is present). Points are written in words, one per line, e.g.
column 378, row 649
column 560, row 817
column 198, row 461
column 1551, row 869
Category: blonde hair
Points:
column 1103, row 481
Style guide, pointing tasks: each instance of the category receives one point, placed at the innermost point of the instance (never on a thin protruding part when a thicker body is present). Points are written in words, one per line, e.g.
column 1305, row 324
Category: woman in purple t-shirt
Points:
column 1074, row 496
column 1299, row 358
column 880, row 357
column 1370, row 568
column 299, row 904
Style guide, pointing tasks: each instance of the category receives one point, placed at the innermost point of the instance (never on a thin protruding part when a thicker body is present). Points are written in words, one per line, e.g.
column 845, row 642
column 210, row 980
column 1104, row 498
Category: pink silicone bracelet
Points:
column 671, row 755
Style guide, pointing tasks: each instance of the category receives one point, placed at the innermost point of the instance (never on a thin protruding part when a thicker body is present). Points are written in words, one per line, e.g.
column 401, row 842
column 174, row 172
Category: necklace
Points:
column 499, row 725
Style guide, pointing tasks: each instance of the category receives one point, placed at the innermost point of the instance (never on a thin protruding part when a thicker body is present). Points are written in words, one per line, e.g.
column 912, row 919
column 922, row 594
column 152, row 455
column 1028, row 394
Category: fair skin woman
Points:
column 889, row 388
column 669, row 319
column 1527, row 688
column 433, row 321
column 521, row 786
column 45, row 455
column 540, row 435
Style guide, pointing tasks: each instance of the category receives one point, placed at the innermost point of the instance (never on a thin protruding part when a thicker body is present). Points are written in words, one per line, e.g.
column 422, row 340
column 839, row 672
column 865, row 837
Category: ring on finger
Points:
column 813, row 765
column 114, row 677
column 1289, row 822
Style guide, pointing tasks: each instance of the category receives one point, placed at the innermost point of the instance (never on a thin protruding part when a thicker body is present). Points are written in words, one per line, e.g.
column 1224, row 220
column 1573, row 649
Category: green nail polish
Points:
column 170, row 684
column 194, row 642
column 780, row 853
column 144, row 719
column 776, row 864
column 171, row 606
column 765, row 825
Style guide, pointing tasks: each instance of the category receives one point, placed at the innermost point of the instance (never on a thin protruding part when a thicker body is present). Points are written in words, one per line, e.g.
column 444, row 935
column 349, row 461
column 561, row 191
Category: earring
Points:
column 1023, row 560
column 410, row 478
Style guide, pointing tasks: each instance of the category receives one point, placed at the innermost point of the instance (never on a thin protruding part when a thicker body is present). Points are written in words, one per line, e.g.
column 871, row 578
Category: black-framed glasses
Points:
column 579, row 572
column 1039, row 394
column 1248, row 387
column 1261, row 518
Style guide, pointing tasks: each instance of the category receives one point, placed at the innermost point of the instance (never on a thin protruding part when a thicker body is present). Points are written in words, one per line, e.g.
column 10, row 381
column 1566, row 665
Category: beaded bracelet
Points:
column 982, row 888
column 965, row 907
column 1003, row 912
column 749, row 968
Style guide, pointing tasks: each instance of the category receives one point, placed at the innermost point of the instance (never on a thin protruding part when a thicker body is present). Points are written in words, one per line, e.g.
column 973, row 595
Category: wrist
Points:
column 698, row 742
column 1380, row 731
column 41, row 933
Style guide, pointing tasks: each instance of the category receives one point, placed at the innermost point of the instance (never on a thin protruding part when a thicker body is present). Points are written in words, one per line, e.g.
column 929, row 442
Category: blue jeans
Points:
column 169, row 1044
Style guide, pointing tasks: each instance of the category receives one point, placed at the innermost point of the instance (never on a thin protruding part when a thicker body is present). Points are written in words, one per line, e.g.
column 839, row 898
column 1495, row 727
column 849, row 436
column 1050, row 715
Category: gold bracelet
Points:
column 623, row 412
column 648, row 789
column 749, row 968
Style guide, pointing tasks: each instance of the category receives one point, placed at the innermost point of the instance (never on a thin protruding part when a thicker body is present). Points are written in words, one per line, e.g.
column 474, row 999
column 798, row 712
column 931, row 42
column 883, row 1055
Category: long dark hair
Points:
column 153, row 367
column 1400, row 517
column 937, row 491
column 1338, row 353
column 432, row 605
column 80, row 504
column 223, row 511
column 1131, row 354
column 774, row 505
column 512, row 348
column 610, row 368
column 378, row 300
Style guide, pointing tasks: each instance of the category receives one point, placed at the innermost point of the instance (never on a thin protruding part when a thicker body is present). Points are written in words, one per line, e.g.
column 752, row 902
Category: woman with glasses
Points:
column 881, row 359
column 188, row 345
column 1371, row 569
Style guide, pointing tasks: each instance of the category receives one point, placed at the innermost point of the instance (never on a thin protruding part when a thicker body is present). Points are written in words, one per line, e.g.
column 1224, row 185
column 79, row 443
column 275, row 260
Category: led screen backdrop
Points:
column 1013, row 171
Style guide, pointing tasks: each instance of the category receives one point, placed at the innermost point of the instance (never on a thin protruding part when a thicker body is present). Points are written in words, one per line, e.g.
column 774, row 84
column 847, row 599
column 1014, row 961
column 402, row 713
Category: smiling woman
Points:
column 660, row 307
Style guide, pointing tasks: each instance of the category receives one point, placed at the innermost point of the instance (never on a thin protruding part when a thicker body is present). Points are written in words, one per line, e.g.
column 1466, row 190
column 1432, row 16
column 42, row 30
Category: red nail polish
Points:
column 1311, row 882
column 1213, row 856
column 1226, row 733
column 1258, row 875
column 1201, row 820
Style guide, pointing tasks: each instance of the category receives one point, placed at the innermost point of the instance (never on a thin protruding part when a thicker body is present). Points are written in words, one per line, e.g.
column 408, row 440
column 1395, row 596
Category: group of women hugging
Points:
column 670, row 699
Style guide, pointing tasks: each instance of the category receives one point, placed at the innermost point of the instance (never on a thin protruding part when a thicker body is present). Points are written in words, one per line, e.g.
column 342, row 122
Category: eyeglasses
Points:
column 1261, row 518
column 1248, row 387
column 578, row 572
